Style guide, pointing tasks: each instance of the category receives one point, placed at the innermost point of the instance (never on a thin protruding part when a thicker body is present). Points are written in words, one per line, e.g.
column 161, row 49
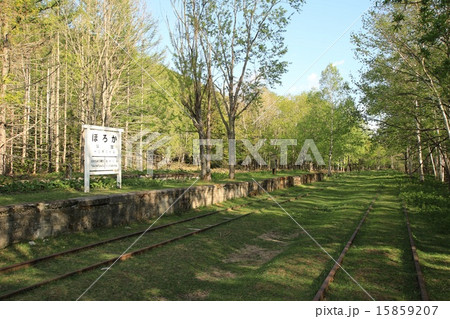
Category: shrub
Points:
column 430, row 198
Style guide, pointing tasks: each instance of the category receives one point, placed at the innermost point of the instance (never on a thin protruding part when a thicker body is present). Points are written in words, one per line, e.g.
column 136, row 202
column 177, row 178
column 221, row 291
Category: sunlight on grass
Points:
column 261, row 257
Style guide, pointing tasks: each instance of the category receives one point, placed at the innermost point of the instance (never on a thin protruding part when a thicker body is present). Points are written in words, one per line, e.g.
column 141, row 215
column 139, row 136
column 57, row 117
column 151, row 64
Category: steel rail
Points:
column 89, row 246
column 320, row 295
column 420, row 277
column 35, row 261
column 112, row 260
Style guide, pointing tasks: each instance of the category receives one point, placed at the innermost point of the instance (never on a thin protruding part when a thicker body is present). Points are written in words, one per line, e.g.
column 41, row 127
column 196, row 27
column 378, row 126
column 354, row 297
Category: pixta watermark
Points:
column 253, row 151
column 151, row 143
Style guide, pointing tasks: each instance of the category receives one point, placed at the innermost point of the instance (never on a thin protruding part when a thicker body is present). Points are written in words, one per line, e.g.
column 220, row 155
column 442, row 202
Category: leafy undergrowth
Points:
column 431, row 199
column 55, row 187
column 429, row 207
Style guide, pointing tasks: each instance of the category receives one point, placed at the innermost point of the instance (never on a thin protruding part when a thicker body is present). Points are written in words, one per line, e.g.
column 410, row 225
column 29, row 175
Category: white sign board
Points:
column 102, row 153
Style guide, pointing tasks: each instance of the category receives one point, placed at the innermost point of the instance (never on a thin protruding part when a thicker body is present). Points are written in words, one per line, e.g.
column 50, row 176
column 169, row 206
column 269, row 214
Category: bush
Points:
column 431, row 198
column 142, row 182
column 219, row 176
column 32, row 186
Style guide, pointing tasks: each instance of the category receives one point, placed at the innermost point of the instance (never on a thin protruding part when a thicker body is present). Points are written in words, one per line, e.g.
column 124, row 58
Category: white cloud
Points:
column 313, row 81
column 337, row 63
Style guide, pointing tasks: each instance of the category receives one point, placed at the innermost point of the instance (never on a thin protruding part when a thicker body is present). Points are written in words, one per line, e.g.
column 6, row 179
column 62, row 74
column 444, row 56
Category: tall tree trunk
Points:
column 433, row 164
column 57, row 108
column 66, row 97
column 408, row 156
column 231, row 149
column 2, row 136
column 84, row 120
column 36, row 132
column 208, row 146
column 419, row 147
column 441, row 105
column 48, row 121
column 141, row 151
column 26, row 111
column 406, row 161
column 330, row 151
column 41, row 130
column 203, row 172
column 441, row 165
column 3, row 105
column 11, row 143
column 125, row 137
column 208, row 119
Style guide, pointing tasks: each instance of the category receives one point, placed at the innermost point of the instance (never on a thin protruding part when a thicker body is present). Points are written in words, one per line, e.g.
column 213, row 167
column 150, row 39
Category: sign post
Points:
column 102, row 153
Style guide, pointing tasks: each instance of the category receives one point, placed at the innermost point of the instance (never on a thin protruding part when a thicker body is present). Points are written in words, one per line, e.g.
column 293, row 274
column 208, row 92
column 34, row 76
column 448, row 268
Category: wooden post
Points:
column 119, row 160
column 87, row 162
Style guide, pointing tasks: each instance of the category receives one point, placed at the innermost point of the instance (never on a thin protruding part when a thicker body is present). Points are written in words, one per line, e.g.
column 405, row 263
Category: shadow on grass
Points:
column 261, row 257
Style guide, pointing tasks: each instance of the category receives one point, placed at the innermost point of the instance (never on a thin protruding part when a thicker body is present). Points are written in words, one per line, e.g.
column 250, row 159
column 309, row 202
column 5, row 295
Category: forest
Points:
column 65, row 63
column 211, row 183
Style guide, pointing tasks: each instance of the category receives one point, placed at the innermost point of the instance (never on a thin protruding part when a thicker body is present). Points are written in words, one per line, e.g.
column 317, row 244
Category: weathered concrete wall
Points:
column 39, row 220
column 165, row 176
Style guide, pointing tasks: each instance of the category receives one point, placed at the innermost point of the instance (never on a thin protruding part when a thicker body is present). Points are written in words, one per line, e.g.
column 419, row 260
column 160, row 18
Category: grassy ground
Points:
column 264, row 256
column 429, row 207
column 380, row 259
column 107, row 186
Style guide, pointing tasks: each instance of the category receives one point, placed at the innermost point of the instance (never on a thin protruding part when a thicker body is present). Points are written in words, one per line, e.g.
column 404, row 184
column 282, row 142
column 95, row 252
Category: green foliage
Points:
column 431, row 198
column 219, row 176
column 41, row 185
column 405, row 81
column 142, row 182
column 103, row 182
column 250, row 33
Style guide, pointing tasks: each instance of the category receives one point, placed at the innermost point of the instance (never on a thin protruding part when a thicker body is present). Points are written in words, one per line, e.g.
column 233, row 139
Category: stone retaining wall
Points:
column 165, row 176
column 38, row 220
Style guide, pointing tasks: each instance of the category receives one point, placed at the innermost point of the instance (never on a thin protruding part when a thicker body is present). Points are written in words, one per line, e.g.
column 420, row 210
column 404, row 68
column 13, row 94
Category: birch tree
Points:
column 192, row 58
column 404, row 84
column 247, row 43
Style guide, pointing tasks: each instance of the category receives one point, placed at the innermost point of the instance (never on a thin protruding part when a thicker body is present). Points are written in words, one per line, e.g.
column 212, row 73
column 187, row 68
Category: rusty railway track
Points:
column 124, row 256
column 35, row 261
column 320, row 295
column 103, row 242
column 419, row 274
column 115, row 259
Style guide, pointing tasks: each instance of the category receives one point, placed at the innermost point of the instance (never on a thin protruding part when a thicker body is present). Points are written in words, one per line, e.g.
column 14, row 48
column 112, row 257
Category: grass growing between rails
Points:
column 56, row 188
column 380, row 258
column 264, row 256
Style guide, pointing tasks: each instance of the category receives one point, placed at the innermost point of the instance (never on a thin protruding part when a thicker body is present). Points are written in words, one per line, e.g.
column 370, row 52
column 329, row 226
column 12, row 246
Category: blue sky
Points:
column 309, row 38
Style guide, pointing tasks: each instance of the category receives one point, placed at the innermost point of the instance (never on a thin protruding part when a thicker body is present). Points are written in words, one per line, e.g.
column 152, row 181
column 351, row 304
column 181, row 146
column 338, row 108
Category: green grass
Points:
column 32, row 192
column 429, row 207
column 380, row 259
column 264, row 256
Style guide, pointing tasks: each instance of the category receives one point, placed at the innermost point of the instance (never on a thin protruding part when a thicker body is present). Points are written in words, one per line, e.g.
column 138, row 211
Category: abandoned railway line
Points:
column 122, row 257
column 321, row 293
column 125, row 256
column 252, row 230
